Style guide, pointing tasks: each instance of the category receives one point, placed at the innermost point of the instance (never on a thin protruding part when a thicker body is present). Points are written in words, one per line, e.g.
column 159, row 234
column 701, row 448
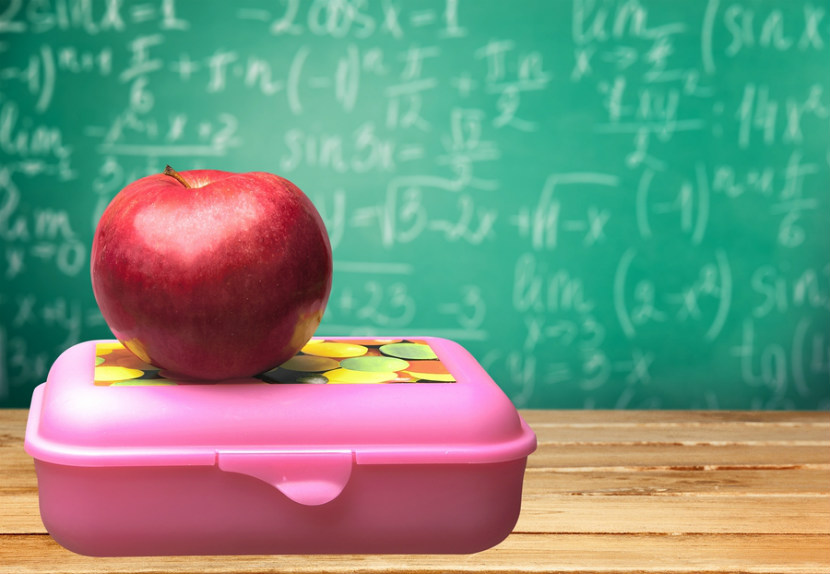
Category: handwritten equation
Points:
column 615, row 204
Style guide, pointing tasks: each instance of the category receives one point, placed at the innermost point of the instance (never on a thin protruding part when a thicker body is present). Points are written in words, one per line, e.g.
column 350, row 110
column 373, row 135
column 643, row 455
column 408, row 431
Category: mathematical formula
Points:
column 613, row 204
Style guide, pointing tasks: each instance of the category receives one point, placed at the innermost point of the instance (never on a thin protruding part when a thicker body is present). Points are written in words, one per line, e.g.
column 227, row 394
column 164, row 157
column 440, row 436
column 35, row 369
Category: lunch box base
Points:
column 184, row 510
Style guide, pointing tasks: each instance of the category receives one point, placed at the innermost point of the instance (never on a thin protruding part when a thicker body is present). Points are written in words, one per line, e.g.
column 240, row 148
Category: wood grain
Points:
column 594, row 553
column 606, row 492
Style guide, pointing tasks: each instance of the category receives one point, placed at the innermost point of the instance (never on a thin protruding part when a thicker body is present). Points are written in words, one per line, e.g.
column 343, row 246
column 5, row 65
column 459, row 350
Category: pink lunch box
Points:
column 352, row 446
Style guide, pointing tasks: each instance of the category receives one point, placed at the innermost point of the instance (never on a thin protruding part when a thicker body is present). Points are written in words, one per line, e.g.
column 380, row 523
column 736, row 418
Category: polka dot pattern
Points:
column 374, row 364
column 409, row 351
column 334, row 350
column 310, row 364
column 321, row 361
column 348, row 376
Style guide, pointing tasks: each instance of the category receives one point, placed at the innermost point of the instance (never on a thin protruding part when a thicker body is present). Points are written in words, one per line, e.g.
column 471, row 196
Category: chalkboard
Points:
column 612, row 204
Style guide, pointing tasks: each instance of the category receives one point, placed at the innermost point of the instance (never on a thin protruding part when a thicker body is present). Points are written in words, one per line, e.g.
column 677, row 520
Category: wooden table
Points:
column 656, row 491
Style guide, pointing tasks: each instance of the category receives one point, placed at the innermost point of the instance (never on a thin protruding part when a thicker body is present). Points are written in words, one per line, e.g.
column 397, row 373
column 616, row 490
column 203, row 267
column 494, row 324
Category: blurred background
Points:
column 611, row 204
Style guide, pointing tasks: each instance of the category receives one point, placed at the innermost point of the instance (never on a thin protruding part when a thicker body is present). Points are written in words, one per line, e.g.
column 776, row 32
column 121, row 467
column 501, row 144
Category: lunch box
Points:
column 367, row 445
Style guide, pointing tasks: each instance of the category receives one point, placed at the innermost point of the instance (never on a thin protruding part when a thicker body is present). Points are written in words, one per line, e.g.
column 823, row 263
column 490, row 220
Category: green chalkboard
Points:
column 612, row 204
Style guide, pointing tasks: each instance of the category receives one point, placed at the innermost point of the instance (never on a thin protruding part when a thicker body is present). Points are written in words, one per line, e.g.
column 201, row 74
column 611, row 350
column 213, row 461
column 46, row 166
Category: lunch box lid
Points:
column 438, row 406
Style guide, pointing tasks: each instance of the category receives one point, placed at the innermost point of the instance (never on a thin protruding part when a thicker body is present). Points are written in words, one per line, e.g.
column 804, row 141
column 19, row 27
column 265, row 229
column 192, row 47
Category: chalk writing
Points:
column 613, row 204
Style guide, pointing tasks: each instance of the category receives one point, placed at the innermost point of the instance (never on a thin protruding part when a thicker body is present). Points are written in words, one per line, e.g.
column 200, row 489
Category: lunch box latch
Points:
column 309, row 478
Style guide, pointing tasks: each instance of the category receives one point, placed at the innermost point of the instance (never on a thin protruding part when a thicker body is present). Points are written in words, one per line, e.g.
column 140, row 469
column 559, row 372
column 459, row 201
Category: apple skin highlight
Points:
column 224, row 279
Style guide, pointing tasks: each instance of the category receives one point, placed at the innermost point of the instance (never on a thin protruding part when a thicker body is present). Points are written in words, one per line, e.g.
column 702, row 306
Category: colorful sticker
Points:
column 321, row 361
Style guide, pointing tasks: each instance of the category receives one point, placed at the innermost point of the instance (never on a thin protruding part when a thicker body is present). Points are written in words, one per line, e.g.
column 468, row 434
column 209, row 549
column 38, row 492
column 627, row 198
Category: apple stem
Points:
column 176, row 175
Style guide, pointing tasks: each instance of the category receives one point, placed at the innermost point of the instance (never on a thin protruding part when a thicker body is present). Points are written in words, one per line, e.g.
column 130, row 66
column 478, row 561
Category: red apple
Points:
column 210, row 274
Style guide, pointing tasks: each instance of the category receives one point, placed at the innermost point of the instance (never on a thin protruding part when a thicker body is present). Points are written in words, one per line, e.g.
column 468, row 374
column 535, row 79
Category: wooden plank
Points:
column 598, row 554
column 15, row 418
column 605, row 492
column 727, row 483
column 19, row 512
column 692, row 434
column 657, row 456
column 17, row 470
column 546, row 513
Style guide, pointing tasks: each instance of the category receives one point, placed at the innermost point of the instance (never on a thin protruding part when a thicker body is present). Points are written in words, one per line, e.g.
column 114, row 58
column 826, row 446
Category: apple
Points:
column 209, row 274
